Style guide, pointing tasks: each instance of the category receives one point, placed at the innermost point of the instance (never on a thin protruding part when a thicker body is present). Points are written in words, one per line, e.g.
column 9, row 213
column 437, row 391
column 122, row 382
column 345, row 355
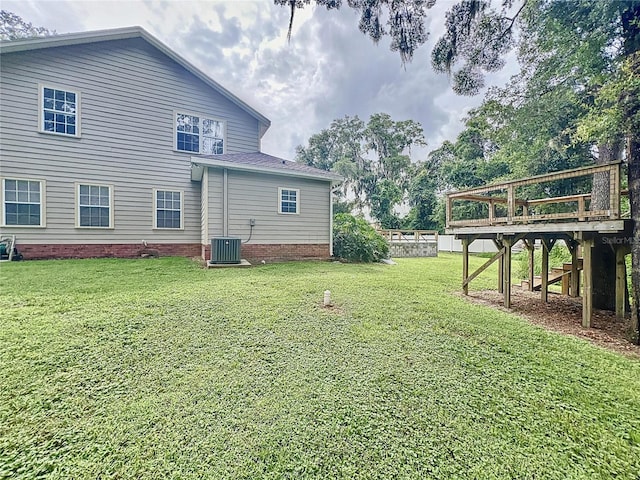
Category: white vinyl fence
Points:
column 448, row 243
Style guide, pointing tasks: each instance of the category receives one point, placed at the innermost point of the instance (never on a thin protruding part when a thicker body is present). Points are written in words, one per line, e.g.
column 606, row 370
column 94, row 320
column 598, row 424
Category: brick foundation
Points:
column 120, row 250
column 280, row 252
column 254, row 253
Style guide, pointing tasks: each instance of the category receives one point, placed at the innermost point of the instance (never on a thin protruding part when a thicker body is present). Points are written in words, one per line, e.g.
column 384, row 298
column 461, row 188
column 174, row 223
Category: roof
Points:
column 83, row 38
column 260, row 162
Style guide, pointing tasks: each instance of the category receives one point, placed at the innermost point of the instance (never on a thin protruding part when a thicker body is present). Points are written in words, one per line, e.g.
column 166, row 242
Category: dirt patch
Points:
column 564, row 315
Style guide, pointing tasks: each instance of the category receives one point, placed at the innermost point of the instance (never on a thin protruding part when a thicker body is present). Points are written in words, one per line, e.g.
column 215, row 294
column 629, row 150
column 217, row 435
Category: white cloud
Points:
column 327, row 71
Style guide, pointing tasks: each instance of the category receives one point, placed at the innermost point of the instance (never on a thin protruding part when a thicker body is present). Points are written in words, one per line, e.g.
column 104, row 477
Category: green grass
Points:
column 159, row 369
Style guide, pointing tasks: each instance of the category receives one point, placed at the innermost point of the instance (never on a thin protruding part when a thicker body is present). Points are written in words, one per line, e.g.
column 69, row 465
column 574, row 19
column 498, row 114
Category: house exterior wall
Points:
column 253, row 195
column 129, row 94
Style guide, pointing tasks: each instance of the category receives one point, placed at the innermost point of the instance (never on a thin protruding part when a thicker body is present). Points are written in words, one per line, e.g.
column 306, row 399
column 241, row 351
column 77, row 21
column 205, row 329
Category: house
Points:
column 110, row 141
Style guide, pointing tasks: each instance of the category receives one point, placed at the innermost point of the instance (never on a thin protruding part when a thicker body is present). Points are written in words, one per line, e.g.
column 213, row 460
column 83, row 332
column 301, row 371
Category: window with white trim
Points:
column 289, row 199
column 95, row 207
column 198, row 134
column 23, row 202
column 59, row 111
column 168, row 209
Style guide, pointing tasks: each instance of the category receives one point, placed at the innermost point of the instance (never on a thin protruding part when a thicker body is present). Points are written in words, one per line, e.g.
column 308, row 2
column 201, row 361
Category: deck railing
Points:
column 397, row 235
column 519, row 210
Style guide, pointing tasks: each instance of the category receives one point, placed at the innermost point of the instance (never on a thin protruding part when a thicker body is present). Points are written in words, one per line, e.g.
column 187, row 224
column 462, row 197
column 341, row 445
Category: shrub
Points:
column 558, row 255
column 357, row 241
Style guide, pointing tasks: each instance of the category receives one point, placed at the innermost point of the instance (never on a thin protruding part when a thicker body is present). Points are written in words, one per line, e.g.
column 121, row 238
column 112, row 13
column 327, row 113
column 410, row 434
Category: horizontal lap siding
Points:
column 215, row 188
column 254, row 195
column 129, row 92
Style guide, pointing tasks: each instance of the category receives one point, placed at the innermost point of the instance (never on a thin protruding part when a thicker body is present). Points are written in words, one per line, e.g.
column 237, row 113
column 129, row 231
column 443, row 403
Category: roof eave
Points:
column 197, row 162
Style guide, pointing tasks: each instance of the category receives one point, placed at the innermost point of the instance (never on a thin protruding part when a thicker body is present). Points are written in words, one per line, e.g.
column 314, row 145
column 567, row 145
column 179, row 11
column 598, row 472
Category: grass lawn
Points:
column 159, row 369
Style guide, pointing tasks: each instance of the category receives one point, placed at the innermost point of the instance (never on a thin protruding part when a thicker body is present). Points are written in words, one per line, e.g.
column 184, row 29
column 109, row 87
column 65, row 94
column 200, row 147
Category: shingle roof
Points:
column 266, row 163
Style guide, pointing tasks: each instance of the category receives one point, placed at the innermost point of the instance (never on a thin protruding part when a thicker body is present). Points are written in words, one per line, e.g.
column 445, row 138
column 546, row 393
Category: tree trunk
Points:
column 607, row 152
column 633, row 155
column 604, row 258
column 630, row 12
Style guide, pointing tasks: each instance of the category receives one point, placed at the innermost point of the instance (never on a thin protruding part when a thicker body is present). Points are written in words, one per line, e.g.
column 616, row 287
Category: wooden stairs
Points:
column 556, row 274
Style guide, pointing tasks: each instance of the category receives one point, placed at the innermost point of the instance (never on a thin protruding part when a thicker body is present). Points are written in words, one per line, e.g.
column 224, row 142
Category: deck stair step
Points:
column 555, row 276
column 567, row 266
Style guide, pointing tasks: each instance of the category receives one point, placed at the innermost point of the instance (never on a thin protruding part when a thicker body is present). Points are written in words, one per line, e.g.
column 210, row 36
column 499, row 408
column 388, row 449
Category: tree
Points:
column 402, row 20
column 542, row 110
column 423, row 200
column 13, row 27
column 374, row 158
column 592, row 43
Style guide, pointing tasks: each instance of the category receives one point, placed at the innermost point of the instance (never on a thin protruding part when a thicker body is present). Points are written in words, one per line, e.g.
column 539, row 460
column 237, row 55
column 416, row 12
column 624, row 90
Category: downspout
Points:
column 204, row 208
column 225, row 203
column 330, row 220
column 332, row 189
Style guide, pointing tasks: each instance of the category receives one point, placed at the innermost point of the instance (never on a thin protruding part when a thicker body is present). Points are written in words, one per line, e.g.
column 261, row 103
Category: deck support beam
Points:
column 531, row 245
column 465, row 265
column 547, row 245
column 581, row 243
column 574, row 286
column 484, row 266
column 587, row 291
column 500, row 266
column 621, row 283
column 506, row 271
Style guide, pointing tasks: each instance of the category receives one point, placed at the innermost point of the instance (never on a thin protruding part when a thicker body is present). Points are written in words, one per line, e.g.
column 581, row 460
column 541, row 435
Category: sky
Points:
column 328, row 70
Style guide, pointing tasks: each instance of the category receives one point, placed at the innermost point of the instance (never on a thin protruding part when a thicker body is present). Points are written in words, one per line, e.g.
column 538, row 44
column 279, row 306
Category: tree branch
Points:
column 512, row 20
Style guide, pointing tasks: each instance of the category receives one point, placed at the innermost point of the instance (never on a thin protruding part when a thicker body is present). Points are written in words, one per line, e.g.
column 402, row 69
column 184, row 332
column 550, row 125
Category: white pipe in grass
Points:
column 327, row 298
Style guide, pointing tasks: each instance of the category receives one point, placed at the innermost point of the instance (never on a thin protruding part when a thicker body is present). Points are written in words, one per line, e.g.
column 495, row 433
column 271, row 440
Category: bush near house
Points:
column 356, row 241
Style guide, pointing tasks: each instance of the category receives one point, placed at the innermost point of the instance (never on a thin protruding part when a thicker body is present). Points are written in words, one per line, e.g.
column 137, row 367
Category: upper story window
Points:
column 23, row 202
column 198, row 134
column 168, row 207
column 60, row 111
column 289, row 199
column 95, row 206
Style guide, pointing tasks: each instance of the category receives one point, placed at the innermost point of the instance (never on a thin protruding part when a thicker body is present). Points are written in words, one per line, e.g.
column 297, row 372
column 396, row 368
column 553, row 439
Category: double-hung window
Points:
column 288, row 200
column 199, row 134
column 22, row 202
column 59, row 111
column 95, row 206
column 168, row 209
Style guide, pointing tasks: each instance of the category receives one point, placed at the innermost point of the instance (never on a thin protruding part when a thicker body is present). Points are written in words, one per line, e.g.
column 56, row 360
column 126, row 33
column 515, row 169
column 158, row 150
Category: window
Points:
column 23, row 202
column 168, row 209
column 288, row 200
column 94, row 206
column 198, row 134
column 60, row 111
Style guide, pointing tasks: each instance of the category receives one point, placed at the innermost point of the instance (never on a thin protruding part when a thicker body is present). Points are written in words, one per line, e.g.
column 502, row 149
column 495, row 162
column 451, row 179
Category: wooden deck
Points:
column 403, row 236
column 507, row 218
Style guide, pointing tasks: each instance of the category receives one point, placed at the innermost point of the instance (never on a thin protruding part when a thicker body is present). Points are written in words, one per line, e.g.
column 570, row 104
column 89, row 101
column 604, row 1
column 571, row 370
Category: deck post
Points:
column 465, row 265
column 531, row 247
column 506, row 276
column 574, row 290
column 498, row 243
column 491, row 212
column 544, row 273
column 511, row 204
column 581, row 209
column 614, row 191
column 621, row 283
column 587, row 293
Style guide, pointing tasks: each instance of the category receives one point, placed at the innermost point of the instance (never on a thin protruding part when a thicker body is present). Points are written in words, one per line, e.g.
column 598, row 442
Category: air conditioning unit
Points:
column 225, row 250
